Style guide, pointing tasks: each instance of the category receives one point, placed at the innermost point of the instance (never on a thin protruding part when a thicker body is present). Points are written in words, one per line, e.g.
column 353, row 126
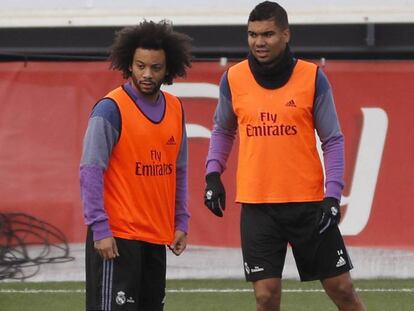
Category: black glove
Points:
column 215, row 195
column 331, row 214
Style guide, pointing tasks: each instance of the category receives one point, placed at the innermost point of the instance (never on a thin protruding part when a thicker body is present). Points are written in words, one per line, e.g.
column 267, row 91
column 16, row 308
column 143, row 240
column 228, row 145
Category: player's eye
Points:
column 252, row 34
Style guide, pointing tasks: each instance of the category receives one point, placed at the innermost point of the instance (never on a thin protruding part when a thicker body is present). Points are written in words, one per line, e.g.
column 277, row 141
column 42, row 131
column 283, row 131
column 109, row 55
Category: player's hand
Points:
column 331, row 214
column 179, row 244
column 107, row 248
column 215, row 194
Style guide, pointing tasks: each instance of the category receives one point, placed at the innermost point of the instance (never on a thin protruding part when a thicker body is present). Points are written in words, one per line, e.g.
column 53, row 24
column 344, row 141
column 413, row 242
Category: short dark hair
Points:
column 152, row 36
column 270, row 10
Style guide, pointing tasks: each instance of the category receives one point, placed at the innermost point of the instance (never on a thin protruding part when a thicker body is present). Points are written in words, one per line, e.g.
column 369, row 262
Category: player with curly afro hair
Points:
column 133, row 172
column 152, row 36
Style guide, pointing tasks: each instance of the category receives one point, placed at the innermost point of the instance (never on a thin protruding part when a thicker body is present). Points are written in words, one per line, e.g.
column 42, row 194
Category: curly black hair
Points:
column 153, row 36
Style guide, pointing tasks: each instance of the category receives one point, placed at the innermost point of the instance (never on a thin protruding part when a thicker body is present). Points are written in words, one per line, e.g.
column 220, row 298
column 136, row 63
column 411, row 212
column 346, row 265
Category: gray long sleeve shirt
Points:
column 101, row 137
column 325, row 121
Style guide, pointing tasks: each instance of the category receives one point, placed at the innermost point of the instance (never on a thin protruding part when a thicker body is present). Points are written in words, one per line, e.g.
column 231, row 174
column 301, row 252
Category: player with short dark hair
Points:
column 133, row 172
column 276, row 102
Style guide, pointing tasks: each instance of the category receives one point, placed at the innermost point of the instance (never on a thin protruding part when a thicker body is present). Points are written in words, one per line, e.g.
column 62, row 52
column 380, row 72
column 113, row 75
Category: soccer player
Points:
column 133, row 172
column 276, row 102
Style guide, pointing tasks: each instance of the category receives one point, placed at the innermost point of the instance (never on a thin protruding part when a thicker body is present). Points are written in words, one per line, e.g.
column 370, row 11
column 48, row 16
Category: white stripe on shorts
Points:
column 107, row 273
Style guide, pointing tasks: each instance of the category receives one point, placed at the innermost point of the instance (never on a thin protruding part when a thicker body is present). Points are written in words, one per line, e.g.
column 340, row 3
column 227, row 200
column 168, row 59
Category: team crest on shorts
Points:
column 120, row 298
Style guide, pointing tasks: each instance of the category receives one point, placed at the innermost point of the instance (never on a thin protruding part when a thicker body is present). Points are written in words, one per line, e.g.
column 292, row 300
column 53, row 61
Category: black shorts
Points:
column 133, row 281
column 266, row 230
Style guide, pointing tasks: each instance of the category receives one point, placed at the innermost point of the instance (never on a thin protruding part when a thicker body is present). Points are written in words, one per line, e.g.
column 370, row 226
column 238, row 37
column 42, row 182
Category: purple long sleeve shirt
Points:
column 101, row 136
column 325, row 121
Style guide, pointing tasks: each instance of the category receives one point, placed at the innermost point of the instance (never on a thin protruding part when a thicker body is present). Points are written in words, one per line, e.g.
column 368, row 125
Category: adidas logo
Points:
column 340, row 262
column 171, row 141
column 290, row 103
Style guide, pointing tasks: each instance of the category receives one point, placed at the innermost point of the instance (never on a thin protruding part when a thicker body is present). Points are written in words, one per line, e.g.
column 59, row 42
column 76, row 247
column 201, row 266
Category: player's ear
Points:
column 286, row 35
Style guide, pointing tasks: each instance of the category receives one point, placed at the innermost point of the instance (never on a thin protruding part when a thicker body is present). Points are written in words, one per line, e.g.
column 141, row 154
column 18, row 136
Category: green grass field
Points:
column 211, row 295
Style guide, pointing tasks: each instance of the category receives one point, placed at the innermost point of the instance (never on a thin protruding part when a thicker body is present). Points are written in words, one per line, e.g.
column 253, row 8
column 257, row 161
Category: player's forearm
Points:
column 181, row 207
column 91, row 184
column 221, row 143
column 182, row 217
column 333, row 155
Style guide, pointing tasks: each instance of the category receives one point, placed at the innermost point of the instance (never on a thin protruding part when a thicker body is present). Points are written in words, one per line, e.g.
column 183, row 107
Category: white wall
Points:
column 61, row 13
